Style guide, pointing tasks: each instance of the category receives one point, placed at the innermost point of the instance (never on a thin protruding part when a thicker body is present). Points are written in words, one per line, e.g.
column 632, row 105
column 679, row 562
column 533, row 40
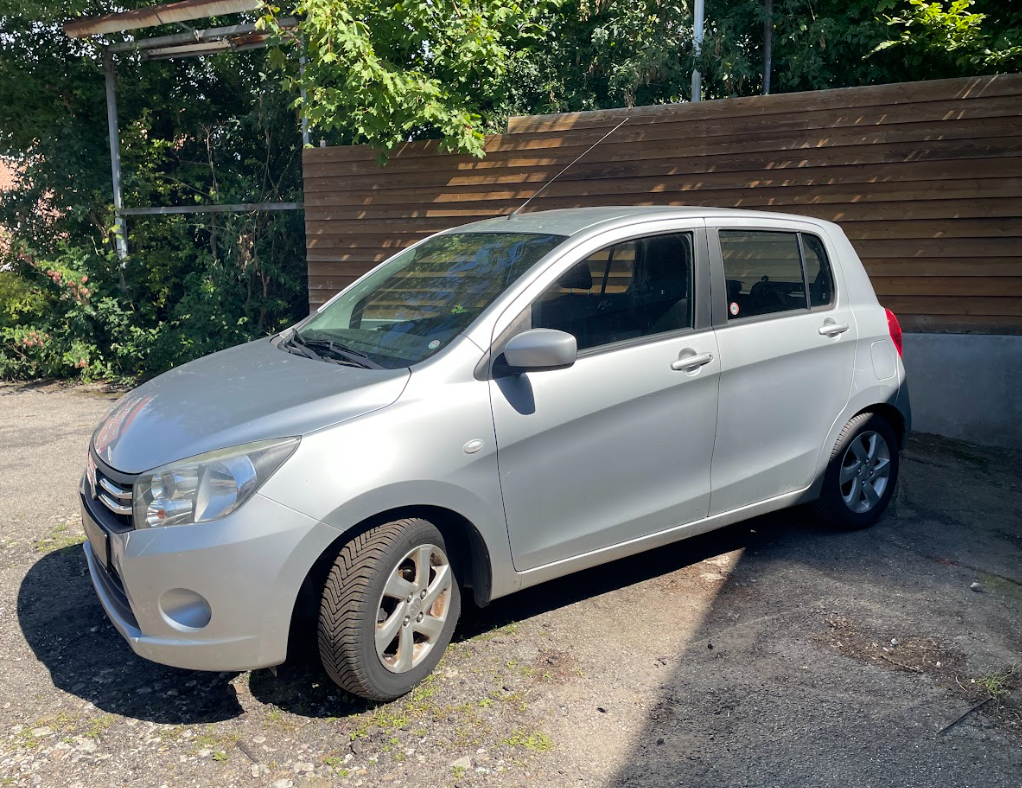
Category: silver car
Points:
column 498, row 405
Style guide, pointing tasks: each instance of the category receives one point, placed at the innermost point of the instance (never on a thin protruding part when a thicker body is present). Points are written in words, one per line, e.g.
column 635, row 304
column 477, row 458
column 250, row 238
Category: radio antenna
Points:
column 582, row 155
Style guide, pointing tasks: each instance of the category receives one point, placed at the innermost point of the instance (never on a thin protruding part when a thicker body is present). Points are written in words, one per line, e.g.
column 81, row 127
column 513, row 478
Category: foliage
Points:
column 381, row 72
column 192, row 131
column 957, row 38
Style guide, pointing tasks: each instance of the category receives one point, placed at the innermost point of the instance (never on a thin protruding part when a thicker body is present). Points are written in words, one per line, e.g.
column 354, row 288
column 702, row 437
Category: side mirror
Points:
column 541, row 348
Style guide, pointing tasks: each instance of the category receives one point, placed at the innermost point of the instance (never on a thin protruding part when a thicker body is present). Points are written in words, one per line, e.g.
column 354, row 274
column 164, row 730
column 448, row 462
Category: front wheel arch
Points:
column 469, row 552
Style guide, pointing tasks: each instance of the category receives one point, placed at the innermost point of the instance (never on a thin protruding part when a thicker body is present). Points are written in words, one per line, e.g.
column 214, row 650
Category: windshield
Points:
column 422, row 298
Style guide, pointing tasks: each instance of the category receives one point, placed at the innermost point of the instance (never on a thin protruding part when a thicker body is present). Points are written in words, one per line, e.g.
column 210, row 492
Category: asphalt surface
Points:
column 771, row 653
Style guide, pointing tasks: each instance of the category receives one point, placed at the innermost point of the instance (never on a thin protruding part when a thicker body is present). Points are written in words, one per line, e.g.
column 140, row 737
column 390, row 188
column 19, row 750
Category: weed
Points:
column 535, row 741
column 1000, row 683
column 220, row 745
column 98, row 726
column 60, row 537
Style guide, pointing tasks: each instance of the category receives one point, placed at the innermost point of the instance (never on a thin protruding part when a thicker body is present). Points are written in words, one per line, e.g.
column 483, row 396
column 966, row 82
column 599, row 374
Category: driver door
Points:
column 618, row 446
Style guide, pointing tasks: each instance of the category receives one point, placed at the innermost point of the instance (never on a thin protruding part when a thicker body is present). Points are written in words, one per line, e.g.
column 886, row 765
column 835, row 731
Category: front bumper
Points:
column 245, row 571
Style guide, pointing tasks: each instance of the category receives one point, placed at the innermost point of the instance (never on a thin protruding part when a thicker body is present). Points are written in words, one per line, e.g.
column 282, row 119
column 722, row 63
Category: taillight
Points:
column 895, row 328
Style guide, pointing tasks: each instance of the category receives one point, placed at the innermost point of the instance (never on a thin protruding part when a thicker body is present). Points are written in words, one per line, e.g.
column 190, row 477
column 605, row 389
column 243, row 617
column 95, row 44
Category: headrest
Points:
column 666, row 264
column 578, row 277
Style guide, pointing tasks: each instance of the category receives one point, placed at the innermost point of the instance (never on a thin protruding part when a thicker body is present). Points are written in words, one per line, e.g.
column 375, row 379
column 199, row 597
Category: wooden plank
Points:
column 943, row 247
column 995, row 286
column 968, row 89
column 865, row 222
column 945, row 267
column 833, row 202
column 337, row 255
column 954, row 305
column 957, row 324
column 849, row 173
column 327, row 233
column 339, row 269
column 361, row 243
column 928, row 229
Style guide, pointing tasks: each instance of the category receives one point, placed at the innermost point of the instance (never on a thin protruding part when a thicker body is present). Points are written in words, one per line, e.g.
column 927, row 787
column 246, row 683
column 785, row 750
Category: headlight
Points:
column 208, row 486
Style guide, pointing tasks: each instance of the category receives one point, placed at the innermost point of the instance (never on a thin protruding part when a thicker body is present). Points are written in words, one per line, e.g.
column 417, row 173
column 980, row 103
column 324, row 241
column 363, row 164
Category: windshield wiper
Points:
column 339, row 351
column 291, row 345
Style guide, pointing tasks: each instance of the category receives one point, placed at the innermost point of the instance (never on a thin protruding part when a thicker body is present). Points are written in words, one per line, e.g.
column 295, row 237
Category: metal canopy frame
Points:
column 191, row 43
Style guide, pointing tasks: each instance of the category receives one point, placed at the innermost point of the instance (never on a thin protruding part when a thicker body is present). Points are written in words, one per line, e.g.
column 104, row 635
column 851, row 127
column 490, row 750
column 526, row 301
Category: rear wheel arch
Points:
column 832, row 504
column 892, row 416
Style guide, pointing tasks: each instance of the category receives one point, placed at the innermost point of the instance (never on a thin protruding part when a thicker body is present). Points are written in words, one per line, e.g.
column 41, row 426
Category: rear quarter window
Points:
column 818, row 272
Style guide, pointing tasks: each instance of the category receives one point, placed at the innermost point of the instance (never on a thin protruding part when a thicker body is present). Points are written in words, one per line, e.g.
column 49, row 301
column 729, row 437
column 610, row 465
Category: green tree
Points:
column 958, row 38
column 384, row 72
column 206, row 130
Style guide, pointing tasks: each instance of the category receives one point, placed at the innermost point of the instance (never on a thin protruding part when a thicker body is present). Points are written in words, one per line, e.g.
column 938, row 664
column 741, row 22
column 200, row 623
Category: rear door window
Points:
column 763, row 272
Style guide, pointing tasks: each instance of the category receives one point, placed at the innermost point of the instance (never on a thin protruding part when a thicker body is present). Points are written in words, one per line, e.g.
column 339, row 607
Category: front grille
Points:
column 112, row 495
column 113, row 490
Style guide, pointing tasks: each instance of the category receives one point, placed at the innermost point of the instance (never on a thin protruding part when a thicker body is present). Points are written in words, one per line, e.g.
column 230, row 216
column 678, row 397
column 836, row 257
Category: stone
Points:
column 462, row 763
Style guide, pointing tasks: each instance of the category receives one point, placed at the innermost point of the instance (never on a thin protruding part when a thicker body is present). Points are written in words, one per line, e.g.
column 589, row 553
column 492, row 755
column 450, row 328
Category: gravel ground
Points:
column 770, row 653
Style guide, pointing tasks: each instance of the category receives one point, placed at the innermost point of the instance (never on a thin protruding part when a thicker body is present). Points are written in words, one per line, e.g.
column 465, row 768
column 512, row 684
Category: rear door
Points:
column 617, row 446
column 786, row 338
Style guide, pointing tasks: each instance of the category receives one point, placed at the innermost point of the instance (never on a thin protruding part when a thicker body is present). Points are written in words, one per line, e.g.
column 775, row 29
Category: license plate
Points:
column 97, row 538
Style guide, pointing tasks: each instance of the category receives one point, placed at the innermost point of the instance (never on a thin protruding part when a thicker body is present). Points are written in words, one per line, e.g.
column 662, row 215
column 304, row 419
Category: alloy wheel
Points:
column 413, row 608
column 865, row 472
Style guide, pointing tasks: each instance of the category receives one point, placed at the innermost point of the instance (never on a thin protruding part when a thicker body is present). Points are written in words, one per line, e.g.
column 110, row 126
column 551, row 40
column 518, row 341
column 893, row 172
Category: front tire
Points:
column 388, row 610
column 861, row 475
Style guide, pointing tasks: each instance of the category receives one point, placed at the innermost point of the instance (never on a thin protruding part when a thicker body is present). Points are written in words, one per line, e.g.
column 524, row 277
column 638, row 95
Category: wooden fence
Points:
column 925, row 178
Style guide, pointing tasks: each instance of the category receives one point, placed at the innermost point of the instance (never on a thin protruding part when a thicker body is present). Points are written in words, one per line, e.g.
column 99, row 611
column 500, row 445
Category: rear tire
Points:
column 861, row 475
column 388, row 610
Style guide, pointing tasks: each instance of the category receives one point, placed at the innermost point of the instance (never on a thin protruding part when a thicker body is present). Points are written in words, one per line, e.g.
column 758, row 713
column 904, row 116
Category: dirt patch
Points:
column 997, row 695
column 553, row 666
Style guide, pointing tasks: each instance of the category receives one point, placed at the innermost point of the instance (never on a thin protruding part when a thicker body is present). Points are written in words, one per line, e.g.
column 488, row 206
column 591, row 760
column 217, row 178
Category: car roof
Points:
column 571, row 221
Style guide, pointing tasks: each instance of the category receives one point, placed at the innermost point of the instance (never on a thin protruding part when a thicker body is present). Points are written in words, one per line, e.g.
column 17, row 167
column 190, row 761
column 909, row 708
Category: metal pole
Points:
column 768, row 45
column 697, row 39
column 305, row 121
column 120, row 235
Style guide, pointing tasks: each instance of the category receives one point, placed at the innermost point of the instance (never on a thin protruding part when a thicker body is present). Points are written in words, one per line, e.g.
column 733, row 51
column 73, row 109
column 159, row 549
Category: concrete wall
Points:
column 966, row 386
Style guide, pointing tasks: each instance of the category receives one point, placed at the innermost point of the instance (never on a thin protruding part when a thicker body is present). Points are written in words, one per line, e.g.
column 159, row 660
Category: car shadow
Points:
column 64, row 624
column 69, row 633
column 625, row 572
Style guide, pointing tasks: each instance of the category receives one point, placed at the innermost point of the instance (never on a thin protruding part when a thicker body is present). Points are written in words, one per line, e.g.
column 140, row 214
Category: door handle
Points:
column 688, row 363
column 833, row 329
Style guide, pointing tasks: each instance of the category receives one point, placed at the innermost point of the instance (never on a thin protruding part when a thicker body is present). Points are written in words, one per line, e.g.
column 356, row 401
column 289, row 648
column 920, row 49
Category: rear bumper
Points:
column 904, row 406
column 242, row 574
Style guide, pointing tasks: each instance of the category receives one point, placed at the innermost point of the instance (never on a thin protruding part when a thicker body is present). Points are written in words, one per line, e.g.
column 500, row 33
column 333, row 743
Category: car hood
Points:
column 247, row 393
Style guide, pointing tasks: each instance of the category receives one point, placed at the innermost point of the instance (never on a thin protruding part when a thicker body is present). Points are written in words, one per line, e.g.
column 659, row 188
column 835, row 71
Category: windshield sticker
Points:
column 734, row 308
column 434, row 344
